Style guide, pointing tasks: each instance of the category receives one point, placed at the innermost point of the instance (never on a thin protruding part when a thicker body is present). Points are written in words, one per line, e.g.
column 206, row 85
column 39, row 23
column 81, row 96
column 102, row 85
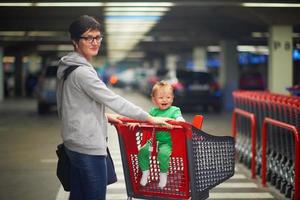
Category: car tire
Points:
column 217, row 108
column 205, row 108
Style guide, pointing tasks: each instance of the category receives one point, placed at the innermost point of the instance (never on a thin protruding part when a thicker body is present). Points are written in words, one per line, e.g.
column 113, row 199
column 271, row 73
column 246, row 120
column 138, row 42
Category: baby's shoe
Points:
column 144, row 178
column 162, row 180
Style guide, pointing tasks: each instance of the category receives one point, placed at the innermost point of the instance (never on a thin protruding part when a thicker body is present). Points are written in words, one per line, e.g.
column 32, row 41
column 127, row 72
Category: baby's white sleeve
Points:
column 180, row 118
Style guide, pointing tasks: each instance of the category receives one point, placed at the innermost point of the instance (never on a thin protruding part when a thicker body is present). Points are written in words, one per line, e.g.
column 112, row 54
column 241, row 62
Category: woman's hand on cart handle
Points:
column 160, row 121
column 114, row 118
column 132, row 126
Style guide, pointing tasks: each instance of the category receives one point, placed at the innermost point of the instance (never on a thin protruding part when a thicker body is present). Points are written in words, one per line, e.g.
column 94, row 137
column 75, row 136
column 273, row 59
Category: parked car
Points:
column 251, row 81
column 124, row 79
column 145, row 81
column 46, row 89
column 194, row 88
column 294, row 90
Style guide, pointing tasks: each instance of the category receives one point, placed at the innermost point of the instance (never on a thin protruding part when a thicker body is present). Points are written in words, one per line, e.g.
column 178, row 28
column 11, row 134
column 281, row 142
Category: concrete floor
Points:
column 28, row 159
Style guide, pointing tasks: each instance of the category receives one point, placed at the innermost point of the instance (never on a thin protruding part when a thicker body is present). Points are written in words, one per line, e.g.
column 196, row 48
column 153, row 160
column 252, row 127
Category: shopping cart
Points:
column 199, row 161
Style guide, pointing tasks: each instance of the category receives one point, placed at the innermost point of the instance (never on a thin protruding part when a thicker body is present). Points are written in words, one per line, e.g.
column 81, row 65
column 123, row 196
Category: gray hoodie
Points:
column 81, row 107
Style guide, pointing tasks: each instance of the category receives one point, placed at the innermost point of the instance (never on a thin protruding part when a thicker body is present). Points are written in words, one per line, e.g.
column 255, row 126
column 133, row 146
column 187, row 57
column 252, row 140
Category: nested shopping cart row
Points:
column 266, row 127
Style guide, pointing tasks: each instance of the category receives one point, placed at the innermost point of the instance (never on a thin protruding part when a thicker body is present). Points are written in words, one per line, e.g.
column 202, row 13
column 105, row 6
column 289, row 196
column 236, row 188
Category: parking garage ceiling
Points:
column 184, row 25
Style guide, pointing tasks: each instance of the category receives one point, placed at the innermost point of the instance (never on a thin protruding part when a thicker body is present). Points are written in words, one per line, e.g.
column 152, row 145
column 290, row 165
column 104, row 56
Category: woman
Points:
column 82, row 99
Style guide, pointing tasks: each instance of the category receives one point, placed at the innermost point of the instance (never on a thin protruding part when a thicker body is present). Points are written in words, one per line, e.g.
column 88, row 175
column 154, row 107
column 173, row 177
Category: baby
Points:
column 162, row 97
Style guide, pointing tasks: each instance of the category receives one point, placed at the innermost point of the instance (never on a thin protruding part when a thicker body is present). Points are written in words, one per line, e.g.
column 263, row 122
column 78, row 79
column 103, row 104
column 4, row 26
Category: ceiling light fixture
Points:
column 12, row 33
column 46, row 47
column 134, row 13
column 33, row 33
column 127, row 23
column 139, row 4
column 15, row 4
column 253, row 49
column 68, row 4
column 272, row 5
column 141, row 9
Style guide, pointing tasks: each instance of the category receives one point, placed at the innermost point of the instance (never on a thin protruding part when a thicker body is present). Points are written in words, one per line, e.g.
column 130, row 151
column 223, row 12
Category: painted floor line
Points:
column 49, row 160
column 61, row 194
column 116, row 196
column 244, row 195
column 238, row 176
column 237, row 185
column 117, row 185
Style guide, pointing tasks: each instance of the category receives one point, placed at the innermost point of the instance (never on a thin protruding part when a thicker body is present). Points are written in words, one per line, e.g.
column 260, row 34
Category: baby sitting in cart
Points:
column 162, row 96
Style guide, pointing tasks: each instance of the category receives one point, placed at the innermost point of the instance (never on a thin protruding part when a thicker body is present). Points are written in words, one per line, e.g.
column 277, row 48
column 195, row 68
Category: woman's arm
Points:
column 159, row 121
column 114, row 117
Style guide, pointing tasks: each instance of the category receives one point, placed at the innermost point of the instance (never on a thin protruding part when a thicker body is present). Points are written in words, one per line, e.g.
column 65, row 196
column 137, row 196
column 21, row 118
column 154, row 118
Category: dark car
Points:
column 194, row 88
column 252, row 81
column 46, row 89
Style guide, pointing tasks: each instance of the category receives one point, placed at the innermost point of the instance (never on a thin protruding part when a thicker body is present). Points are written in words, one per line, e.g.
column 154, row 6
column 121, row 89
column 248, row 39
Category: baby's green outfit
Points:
column 164, row 141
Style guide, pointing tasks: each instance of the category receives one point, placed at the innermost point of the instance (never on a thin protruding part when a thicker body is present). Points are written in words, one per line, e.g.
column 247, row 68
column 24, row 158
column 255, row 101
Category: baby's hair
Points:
column 159, row 85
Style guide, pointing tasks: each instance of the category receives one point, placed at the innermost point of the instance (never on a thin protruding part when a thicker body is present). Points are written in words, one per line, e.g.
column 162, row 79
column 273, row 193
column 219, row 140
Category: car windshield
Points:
column 189, row 76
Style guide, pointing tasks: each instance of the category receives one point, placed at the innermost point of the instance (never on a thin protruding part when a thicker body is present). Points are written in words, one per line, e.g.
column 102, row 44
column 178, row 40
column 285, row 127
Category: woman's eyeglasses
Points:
column 91, row 39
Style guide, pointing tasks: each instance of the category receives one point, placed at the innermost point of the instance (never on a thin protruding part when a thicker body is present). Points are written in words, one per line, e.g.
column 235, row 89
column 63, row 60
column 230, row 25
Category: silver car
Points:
column 46, row 90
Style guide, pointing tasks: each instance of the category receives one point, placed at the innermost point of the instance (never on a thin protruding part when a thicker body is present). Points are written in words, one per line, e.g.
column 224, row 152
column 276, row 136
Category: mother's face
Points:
column 89, row 43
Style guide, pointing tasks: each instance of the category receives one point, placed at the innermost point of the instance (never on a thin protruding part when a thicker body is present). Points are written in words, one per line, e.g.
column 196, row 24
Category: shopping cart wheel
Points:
column 258, row 169
column 240, row 157
column 288, row 191
column 292, row 195
column 269, row 174
column 273, row 178
column 283, row 186
column 278, row 182
column 248, row 161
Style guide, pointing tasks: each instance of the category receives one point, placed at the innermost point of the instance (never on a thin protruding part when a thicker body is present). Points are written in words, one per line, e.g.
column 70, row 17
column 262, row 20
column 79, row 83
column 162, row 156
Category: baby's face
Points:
column 163, row 98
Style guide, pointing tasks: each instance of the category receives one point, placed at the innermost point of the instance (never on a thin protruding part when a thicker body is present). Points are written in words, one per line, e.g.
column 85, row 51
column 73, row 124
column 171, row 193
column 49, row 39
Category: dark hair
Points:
column 83, row 24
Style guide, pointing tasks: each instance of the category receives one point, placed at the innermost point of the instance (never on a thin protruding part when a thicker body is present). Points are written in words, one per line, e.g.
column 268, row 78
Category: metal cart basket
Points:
column 199, row 161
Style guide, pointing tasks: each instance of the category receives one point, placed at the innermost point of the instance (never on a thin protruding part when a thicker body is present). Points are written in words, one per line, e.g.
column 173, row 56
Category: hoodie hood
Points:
column 70, row 59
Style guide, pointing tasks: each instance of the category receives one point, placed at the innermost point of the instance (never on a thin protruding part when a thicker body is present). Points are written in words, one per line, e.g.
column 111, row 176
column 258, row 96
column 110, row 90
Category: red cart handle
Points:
column 176, row 124
column 197, row 122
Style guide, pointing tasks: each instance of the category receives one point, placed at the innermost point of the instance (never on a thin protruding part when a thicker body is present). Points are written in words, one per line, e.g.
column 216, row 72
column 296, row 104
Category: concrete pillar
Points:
column 228, row 71
column 19, row 75
column 199, row 59
column 146, row 64
column 1, row 75
column 156, row 63
column 171, row 61
column 280, row 70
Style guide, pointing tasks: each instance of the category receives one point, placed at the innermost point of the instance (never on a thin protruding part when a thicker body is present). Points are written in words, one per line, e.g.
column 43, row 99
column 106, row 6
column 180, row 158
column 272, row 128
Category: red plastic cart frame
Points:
column 252, row 118
column 198, row 121
column 187, row 190
column 264, row 151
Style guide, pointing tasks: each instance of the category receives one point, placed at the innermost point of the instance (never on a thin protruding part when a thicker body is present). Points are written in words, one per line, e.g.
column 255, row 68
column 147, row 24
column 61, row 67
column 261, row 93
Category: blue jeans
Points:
column 88, row 176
